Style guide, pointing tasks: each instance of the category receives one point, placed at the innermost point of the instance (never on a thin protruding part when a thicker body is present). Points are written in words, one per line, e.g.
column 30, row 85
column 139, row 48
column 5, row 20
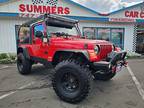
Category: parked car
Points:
column 77, row 61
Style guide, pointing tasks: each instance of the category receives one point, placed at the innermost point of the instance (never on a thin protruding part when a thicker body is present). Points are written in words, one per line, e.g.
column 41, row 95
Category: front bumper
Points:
column 114, row 60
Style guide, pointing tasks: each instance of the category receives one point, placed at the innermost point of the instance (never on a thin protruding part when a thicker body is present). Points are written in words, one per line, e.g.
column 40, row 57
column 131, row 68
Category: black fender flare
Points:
column 24, row 51
column 83, row 52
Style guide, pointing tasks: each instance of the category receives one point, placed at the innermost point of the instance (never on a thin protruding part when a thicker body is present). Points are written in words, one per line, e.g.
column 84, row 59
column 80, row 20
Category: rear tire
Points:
column 24, row 65
column 104, row 77
column 78, row 89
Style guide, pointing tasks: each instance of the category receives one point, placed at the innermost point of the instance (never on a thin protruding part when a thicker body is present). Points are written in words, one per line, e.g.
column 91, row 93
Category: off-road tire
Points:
column 104, row 77
column 24, row 65
column 83, row 75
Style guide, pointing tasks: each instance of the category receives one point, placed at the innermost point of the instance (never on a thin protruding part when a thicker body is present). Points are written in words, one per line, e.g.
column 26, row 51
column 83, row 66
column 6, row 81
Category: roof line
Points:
column 3, row 1
column 9, row 14
column 114, row 12
column 101, row 19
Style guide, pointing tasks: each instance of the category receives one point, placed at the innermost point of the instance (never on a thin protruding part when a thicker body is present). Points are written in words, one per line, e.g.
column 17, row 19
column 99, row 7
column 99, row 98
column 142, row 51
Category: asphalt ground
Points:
column 35, row 90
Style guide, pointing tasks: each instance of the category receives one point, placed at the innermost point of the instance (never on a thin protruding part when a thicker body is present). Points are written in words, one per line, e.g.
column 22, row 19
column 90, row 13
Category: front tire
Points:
column 71, row 81
column 24, row 65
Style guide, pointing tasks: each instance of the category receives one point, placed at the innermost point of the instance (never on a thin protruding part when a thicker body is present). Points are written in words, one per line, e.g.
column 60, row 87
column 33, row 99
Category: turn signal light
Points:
column 92, row 55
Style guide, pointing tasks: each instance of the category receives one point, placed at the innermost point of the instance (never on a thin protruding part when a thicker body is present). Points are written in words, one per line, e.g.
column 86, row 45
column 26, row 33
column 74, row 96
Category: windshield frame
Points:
column 78, row 30
column 65, row 24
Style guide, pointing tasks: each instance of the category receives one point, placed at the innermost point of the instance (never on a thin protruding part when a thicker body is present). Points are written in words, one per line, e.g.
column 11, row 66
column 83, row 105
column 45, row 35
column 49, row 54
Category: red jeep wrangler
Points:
column 57, row 40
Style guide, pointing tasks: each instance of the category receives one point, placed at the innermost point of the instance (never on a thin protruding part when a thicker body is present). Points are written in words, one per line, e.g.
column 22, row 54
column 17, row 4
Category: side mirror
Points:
column 39, row 34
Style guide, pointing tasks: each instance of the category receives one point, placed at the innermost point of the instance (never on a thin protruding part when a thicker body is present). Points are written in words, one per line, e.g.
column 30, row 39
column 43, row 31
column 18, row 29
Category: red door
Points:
column 40, row 47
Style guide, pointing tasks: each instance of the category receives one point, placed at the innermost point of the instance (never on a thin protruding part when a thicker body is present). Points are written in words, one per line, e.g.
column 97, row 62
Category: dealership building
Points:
column 125, row 27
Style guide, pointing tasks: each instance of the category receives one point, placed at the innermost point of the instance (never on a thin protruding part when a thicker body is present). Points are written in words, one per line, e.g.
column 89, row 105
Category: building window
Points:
column 114, row 35
column 140, row 39
column 17, row 27
column 117, row 37
column 104, row 34
column 89, row 32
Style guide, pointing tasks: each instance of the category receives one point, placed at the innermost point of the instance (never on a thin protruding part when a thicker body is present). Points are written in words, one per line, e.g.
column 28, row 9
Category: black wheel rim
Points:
column 70, row 83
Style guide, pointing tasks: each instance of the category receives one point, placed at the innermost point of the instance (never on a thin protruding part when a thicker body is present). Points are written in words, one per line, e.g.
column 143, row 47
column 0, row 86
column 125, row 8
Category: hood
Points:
column 77, row 42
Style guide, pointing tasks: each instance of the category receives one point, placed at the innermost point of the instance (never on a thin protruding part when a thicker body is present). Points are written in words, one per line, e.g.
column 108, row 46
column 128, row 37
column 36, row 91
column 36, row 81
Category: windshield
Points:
column 61, row 31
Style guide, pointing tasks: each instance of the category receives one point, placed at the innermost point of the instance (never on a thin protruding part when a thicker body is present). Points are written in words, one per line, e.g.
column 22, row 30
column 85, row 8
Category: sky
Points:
column 105, row 6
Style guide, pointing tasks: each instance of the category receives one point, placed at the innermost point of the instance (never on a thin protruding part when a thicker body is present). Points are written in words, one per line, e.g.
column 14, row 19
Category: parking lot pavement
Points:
column 35, row 90
column 137, row 66
column 3, row 66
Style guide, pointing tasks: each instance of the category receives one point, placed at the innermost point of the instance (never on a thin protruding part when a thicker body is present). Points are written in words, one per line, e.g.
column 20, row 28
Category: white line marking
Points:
column 4, row 67
column 20, row 88
column 6, row 95
column 12, row 66
column 137, row 83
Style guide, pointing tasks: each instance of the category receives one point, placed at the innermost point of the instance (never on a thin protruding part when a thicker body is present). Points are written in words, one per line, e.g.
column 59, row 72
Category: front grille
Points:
column 105, row 50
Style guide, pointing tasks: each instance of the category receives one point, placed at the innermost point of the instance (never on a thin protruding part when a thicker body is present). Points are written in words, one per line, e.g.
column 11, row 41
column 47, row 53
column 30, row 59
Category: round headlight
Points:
column 96, row 49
